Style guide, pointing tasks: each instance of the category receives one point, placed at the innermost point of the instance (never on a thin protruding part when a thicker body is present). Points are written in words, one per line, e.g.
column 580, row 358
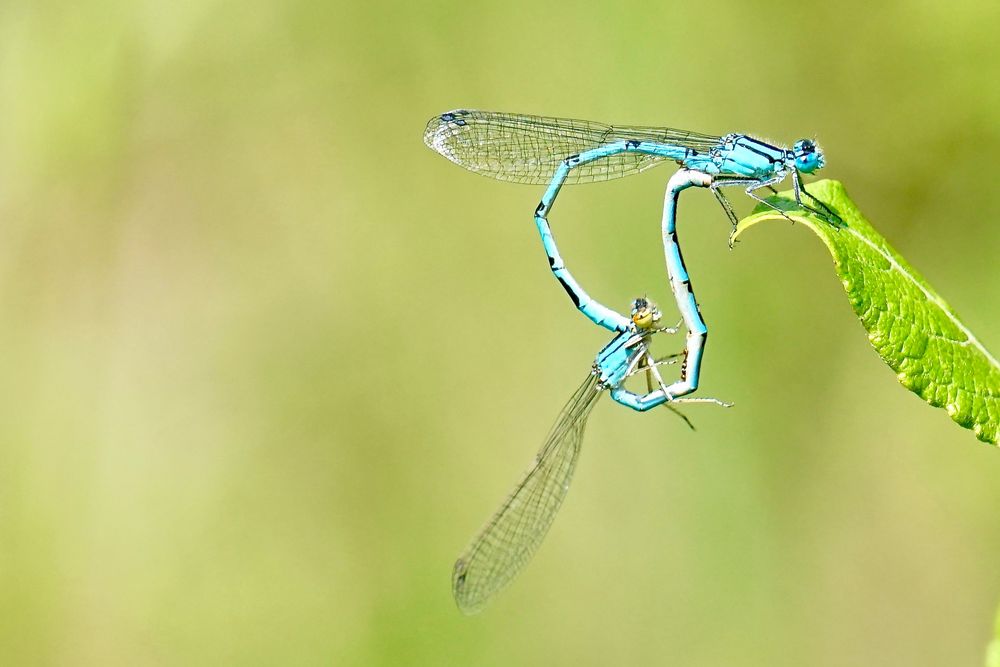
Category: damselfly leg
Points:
column 670, row 360
column 751, row 185
column 827, row 213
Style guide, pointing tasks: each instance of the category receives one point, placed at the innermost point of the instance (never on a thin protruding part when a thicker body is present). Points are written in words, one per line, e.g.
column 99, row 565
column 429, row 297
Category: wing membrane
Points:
column 527, row 149
column 514, row 533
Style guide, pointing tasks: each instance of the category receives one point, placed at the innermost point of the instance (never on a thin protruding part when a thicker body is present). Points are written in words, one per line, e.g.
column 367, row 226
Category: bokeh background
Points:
column 268, row 362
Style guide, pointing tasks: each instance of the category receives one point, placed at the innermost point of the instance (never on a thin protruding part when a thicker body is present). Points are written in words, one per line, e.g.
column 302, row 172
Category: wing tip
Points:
column 469, row 603
column 443, row 126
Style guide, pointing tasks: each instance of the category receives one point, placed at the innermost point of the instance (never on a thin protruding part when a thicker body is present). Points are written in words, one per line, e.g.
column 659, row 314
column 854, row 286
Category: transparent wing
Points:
column 511, row 537
column 527, row 149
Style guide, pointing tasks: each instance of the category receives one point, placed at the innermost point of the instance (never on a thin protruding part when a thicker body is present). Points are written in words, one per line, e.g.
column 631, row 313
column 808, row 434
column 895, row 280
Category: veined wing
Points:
column 511, row 537
column 528, row 149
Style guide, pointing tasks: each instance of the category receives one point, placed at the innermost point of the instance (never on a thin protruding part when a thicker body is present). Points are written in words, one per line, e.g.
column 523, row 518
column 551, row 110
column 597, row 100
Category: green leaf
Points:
column 912, row 328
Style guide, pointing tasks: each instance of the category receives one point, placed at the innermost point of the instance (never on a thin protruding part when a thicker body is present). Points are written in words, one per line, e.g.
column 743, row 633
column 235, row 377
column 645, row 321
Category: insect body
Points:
column 530, row 149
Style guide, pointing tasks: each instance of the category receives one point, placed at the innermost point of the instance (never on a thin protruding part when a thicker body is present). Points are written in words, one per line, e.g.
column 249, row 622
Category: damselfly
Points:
column 517, row 528
column 532, row 149
column 556, row 151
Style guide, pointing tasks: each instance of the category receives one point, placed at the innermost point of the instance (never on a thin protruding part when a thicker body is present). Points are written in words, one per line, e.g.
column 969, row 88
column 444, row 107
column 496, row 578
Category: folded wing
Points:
column 528, row 149
column 514, row 533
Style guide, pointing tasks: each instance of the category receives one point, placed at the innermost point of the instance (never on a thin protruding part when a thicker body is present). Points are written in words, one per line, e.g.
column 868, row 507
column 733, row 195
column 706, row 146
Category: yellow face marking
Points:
column 643, row 318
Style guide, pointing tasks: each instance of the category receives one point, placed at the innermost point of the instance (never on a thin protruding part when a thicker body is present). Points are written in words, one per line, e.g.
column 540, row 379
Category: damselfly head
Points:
column 808, row 156
column 645, row 314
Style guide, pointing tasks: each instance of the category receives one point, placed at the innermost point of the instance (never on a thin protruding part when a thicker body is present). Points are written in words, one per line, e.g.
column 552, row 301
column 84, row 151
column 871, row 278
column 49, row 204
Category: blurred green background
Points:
column 269, row 362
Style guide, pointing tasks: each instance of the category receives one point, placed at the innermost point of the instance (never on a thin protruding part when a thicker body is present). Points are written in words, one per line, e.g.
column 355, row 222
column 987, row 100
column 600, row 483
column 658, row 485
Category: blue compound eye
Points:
column 808, row 157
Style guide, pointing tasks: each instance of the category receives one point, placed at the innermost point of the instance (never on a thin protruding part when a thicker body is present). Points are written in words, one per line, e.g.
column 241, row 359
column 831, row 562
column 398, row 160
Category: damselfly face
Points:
column 808, row 156
column 645, row 314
